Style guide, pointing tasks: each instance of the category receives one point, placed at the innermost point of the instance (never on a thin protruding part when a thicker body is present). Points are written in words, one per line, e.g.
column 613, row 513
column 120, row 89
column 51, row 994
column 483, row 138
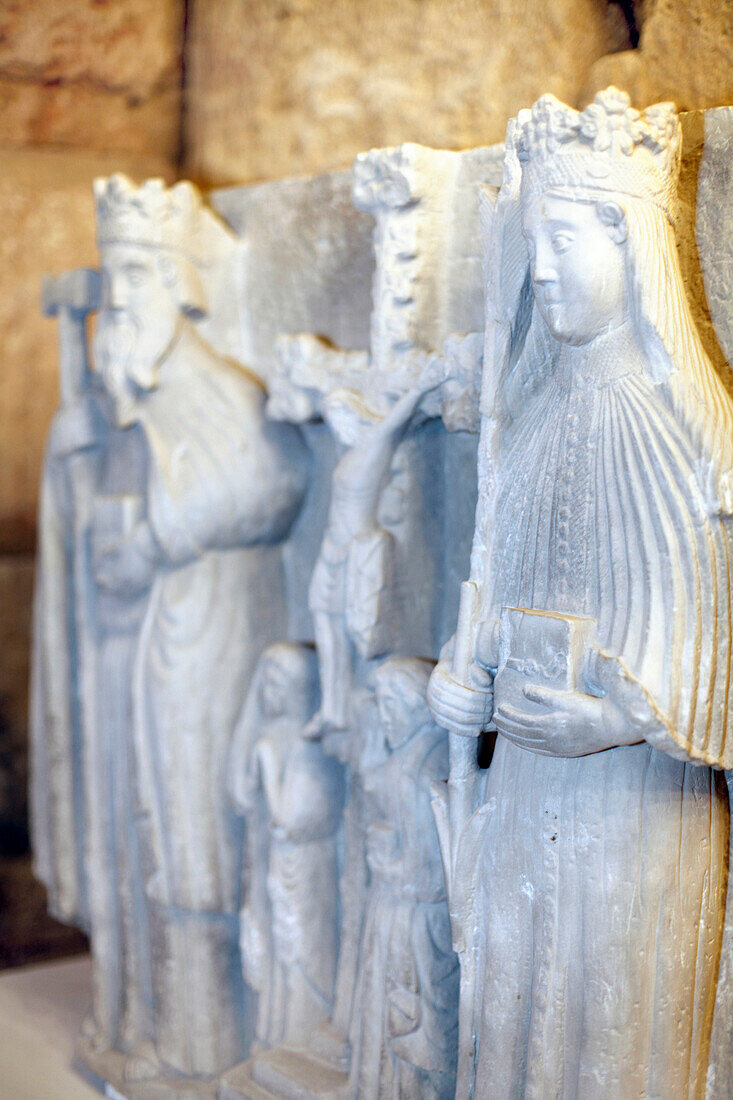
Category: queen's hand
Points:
column 575, row 723
column 458, row 707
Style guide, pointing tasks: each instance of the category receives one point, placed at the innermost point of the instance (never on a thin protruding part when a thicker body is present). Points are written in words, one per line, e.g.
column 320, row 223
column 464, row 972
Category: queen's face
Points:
column 577, row 268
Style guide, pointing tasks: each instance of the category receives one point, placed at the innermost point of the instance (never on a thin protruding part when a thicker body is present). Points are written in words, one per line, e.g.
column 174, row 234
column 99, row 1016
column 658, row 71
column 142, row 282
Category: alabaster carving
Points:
column 353, row 600
column 291, row 795
column 588, row 865
column 351, row 595
column 405, row 1038
column 313, row 862
column 149, row 526
column 374, row 591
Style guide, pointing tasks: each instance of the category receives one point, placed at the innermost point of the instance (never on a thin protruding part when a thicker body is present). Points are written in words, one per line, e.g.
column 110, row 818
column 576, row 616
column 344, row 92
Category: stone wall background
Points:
column 233, row 91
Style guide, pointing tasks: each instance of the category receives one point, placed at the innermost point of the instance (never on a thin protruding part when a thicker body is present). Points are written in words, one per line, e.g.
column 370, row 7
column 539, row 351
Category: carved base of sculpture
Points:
column 109, row 1071
column 286, row 1073
column 290, row 1072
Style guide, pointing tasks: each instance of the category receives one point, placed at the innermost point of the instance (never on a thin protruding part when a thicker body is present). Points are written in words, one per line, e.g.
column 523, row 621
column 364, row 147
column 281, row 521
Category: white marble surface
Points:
column 41, row 1009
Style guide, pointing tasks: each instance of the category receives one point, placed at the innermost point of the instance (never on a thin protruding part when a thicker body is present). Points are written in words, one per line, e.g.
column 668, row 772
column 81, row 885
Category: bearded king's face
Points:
column 135, row 327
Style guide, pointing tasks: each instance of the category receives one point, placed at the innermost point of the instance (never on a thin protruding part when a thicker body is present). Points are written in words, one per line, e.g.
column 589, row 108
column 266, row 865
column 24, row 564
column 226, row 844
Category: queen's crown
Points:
column 608, row 147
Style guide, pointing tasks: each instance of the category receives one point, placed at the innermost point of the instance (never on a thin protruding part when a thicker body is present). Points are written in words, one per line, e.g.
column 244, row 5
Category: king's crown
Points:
column 151, row 215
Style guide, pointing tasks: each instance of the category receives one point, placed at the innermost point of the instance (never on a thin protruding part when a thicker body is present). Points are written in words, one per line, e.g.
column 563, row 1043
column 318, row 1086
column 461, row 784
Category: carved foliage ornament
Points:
column 387, row 178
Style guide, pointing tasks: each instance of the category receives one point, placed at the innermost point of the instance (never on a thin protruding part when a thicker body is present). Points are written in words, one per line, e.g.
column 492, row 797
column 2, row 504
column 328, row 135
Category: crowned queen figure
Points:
column 601, row 639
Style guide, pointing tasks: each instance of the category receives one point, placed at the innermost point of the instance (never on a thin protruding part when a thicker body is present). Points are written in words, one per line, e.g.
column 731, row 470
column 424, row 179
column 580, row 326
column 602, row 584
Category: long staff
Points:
column 504, row 270
column 71, row 297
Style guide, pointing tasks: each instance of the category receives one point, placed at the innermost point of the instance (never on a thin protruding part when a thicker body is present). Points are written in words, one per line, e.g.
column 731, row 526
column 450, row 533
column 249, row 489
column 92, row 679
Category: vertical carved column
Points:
column 426, row 286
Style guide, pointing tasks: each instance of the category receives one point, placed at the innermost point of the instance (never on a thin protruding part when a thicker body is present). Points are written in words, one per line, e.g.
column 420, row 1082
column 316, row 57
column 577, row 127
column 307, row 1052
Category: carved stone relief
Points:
column 291, row 795
column 313, row 862
column 405, row 1033
column 373, row 590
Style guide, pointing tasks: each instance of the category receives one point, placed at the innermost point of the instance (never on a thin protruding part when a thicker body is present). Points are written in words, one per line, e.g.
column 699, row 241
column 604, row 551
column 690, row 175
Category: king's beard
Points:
column 128, row 355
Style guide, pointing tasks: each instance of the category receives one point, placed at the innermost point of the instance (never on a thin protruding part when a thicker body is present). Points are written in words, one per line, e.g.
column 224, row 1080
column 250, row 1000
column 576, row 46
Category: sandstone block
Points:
column 130, row 45
column 48, row 216
column 685, row 54
column 93, row 74
column 86, row 117
column 300, row 86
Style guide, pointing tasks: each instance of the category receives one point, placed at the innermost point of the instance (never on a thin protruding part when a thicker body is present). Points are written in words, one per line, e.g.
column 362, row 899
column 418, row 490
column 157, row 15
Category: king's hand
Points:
column 128, row 567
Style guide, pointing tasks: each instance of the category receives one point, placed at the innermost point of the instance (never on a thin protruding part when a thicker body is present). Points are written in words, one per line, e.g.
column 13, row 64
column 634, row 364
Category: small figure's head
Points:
column 147, row 241
column 348, row 416
column 401, row 685
column 288, row 682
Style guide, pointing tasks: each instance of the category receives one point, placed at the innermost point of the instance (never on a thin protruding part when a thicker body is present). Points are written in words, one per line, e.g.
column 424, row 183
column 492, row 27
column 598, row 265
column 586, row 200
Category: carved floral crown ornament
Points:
column 609, row 147
column 152, row 215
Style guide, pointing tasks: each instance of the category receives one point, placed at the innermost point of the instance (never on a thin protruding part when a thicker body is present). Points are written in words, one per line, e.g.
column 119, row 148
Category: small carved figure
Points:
column 291, row 794
column 602, row 568
column 407, row 997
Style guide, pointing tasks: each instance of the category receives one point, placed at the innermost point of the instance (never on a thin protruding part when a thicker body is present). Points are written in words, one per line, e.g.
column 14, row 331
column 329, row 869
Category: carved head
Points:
column 596, row 191
column 581, row 173
column 578, row 269
column 287, row 677
column 401, row 685
column 607, row 150
column 150, row 240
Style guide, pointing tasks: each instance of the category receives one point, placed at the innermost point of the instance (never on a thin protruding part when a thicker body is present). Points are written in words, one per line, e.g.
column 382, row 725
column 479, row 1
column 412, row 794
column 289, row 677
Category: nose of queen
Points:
column 543, row 268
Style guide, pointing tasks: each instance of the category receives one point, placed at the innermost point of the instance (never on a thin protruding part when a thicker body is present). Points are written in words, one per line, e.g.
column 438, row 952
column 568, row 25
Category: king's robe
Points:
column 224, row 485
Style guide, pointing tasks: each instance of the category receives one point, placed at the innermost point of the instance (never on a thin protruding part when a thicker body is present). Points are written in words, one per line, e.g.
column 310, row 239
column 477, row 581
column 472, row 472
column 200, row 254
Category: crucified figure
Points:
column 357, row 485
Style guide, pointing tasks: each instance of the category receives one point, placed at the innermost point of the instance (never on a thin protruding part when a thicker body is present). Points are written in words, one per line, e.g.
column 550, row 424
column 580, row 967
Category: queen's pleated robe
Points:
column 603, row 878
